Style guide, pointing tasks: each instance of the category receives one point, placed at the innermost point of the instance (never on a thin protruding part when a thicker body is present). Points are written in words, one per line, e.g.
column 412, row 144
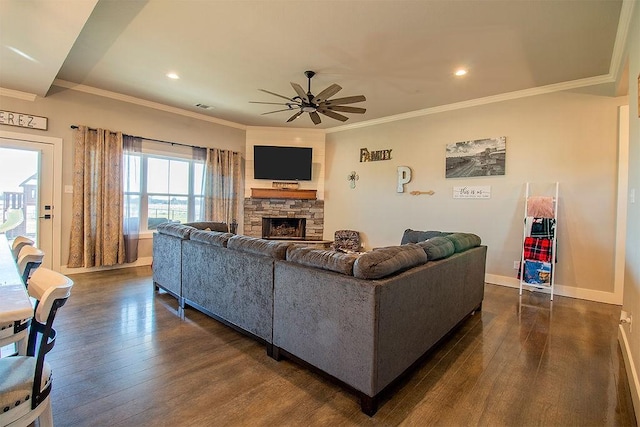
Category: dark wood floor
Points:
column 124, row 358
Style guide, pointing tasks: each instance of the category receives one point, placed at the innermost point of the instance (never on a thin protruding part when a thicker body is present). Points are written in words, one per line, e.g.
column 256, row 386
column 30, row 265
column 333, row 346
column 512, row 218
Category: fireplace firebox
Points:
column 283, row 228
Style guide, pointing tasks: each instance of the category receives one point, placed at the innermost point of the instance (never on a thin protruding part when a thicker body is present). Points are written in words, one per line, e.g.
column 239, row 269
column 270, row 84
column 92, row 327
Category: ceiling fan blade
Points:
column 347, row 100
column 333, row 115
column 270, row 103
column 295, row 116
column 301, row 93
column 315, row 117
column 276, row 111
column 346, row 109
column 275, row 94
column 326, row 94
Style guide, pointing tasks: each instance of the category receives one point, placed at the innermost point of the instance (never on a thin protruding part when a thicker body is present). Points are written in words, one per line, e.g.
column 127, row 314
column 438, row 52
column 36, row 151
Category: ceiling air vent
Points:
column 204, row 106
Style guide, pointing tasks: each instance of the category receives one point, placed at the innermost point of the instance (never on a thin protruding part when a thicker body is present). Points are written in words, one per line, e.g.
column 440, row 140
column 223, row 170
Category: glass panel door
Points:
column 26, row 193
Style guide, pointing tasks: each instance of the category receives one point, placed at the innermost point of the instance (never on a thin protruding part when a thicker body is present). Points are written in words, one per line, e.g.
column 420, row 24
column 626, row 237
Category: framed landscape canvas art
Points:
column 480, row 157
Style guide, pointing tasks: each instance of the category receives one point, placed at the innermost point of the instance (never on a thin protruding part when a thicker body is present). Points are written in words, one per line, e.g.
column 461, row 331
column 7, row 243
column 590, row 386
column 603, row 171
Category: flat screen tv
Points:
column 282, row 163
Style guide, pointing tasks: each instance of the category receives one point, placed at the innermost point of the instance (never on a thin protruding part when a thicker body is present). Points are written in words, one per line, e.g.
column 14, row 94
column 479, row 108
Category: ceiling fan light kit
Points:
column 307, row 102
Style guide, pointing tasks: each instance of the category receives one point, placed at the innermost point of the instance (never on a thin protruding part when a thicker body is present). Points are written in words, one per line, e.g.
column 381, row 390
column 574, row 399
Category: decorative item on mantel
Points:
column 285, row 185
column 352, row 178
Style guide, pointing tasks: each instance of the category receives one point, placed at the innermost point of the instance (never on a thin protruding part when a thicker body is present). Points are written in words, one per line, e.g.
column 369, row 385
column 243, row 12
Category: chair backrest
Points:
column 46, row 286
column 18, row 243
column 51, row 290
column 29, row 259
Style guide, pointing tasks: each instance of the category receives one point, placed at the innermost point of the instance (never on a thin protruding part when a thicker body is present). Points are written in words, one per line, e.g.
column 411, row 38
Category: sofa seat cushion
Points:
column 214, row 238
column 382, row 262
column 319, row 258
column 464, row 241
column 438, row 248
column 177, row 230
column 414, row 236
column 254, row 245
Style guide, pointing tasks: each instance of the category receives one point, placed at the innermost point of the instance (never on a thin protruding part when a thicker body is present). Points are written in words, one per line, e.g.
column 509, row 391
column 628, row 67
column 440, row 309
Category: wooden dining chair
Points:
column 26, row 380
column 18, row 243
column 29, row 259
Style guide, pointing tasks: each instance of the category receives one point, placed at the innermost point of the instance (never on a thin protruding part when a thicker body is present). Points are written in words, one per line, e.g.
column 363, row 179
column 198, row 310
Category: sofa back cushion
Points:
column 382, row 262
column 319, row 258
column 414, row 236
column 209, row 226
column 254, row 245
column 177, row 230
column 214, row 238
column 438, row 248
column 464, row 241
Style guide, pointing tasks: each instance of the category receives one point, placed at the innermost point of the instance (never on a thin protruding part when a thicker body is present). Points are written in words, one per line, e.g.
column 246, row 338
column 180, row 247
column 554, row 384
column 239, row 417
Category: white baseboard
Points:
column 632, row 373
column 565, row 291
column 138, row 263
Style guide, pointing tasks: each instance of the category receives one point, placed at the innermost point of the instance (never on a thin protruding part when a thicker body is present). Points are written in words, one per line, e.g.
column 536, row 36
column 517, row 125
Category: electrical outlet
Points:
column 516, row 265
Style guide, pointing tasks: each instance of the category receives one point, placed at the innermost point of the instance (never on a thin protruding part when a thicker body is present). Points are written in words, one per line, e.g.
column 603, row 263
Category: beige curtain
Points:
column 223, row 175
column 97, row 222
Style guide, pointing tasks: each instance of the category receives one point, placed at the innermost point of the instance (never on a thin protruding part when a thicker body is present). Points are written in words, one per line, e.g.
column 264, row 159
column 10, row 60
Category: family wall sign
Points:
column 374, row 156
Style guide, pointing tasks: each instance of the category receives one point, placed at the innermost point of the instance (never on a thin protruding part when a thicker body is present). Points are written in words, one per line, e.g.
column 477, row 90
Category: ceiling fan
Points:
column 314, row 104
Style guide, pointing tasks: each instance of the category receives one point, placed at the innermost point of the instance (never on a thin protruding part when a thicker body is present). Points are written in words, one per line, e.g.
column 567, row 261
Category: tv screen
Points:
column 282, row 163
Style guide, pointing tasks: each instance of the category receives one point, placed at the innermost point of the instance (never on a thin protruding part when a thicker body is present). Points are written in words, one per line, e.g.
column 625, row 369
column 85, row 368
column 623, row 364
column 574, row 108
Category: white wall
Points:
column 65, row 107
column 565, row 137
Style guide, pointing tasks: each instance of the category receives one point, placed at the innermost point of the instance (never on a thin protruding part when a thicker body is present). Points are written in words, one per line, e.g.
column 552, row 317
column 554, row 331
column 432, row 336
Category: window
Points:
column 162, row 188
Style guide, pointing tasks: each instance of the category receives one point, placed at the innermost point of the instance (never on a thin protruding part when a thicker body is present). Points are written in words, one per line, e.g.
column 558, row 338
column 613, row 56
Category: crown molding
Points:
column 286, row 129
column 617, row 56
column 144, row 103
column 18, row 94
column 557, row 87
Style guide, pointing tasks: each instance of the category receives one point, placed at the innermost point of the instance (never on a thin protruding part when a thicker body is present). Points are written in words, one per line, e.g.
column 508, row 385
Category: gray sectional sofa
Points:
column 167, row 253
column 363, row 319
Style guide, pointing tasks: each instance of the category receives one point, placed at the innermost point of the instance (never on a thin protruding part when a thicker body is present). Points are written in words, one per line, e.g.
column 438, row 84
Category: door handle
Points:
column 46, row 216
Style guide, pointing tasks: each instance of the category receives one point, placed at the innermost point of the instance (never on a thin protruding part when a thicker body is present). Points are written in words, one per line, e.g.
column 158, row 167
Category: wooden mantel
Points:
column 282, row 193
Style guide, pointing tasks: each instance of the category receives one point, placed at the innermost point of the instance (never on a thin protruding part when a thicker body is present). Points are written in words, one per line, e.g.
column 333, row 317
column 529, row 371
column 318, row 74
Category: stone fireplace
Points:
column 311, row 211
column 283, row 228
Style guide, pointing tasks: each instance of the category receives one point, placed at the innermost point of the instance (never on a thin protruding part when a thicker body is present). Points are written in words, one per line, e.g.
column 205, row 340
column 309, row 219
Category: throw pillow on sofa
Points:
column 464, row 241
column 337, row 261
column 414, row 236
column 382, row 262
column 438, row 248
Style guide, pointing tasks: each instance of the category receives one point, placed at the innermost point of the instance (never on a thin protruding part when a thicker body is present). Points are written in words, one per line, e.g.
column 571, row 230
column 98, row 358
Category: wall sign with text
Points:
column 475, row 192
column 374, row 156
column 23, row 120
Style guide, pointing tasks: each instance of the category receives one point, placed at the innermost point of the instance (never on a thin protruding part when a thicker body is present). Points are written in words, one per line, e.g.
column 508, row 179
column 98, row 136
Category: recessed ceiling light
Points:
column 173, row 76
column 460, row 72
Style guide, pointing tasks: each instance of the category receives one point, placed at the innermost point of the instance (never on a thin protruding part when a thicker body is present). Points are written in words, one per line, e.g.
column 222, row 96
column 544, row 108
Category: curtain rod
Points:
column 148, row 139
